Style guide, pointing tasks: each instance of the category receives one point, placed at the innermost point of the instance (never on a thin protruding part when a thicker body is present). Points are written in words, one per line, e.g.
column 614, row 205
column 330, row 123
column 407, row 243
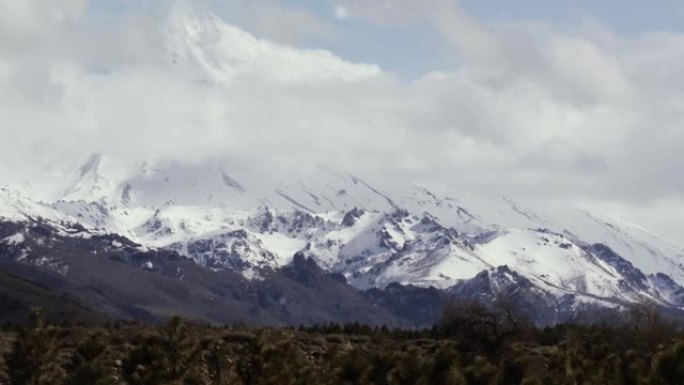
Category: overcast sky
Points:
column 579, row 101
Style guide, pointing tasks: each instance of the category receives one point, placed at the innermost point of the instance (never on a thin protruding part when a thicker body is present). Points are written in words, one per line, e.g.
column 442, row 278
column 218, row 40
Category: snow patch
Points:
column 15, row 239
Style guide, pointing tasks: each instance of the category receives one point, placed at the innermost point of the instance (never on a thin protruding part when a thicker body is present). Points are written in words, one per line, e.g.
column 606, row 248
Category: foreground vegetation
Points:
column 472, row 346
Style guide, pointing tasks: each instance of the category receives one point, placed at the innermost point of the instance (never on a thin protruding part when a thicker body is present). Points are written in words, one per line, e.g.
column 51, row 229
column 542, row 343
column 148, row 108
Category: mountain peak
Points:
column 91, row 165
column 90, row 184
column 219, row 53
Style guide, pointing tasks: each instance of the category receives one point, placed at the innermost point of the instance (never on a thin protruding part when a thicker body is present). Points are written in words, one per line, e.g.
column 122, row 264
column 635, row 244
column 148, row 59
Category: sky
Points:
column 578, row 101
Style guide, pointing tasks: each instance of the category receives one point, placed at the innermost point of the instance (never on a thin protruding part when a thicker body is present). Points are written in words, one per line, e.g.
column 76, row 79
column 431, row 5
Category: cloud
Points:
column 283, row 24
column 570, row 114
column 561, row 155
column 270, row 19
column 395, row 11
column 340, row 12
column 25, row 21
column 582, row 88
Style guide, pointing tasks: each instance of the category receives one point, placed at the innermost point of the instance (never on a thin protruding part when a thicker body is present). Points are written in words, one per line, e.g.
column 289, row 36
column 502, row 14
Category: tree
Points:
column 180, row 350
column 34, row 359
column 670, row 365
column 474, row 324
column 649, row 325
column 216, row 359
column 91, row 364
column 167, row 358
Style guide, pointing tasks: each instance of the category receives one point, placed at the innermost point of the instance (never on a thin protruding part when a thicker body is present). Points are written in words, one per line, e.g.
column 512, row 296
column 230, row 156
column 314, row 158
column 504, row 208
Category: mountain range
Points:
column 226, row 241
column 166, row 237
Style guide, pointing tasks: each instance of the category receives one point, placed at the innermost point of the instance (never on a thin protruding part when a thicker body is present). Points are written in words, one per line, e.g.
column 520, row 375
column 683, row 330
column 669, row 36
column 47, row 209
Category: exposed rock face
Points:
column 350, row 217
column 123, row 280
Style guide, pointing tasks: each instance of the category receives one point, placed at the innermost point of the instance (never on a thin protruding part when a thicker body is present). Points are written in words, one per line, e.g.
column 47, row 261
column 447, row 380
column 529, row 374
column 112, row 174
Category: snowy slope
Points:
column 220, row 53
column 15, row 206
column 159, row 203
column 226, row 214
column 373, row 236
column 553, row 261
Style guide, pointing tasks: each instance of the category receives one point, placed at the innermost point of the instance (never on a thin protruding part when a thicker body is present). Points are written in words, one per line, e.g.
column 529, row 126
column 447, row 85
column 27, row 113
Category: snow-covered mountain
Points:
column 238, row 220
column 227, row 215
column 219, row 52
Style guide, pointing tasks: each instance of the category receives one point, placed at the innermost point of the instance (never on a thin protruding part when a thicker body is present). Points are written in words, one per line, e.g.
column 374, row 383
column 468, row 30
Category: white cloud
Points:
column 28, row 19
column 272, row 20
column 340, row 12
column 567, row 115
